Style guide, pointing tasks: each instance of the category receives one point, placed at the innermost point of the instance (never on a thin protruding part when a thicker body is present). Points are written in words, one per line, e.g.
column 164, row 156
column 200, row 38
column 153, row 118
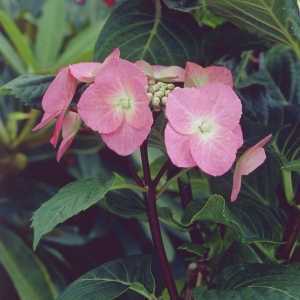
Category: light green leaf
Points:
column 276, row 20
column 25, row 270
column 18, row 39
column 51, row 31
column 113, row 279
column 255, row 281
column 149, row 33
column 81, row 47
column 10, row 55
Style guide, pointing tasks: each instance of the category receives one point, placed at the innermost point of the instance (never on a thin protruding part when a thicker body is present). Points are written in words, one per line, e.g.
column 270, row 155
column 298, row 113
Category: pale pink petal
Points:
column 46, row 120
column 95, row 107
column 178, row 148
column 168, row 73
column 237, row 183
column 57, row 129
column 247, row 163
column 85, row 72
column 60, row 92
column 126, row 139
column 141, row 116
column 220, row 74
column 145, row 67
column 71, row 126
column 197, row 76
column 216, row 155
column 239, row 134
column 227, row 107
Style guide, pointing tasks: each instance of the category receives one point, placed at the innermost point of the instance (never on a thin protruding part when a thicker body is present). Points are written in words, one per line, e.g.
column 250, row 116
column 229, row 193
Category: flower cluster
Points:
column 202, row 109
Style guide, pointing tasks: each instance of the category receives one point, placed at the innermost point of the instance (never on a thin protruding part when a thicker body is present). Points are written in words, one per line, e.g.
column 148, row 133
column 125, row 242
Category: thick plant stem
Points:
column 155, row 226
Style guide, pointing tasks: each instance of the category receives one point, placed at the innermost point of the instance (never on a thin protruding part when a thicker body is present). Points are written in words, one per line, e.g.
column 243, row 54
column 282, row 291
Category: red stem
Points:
column 155, row 226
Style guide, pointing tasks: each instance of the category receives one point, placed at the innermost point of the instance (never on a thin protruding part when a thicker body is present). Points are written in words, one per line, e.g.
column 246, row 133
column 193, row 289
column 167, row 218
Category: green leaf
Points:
column 293, row 166
column 27, row 88
column 18, row 39
column 149, row 33
column 25, row 270
column 67, row 202
column 250, row 220
column 51, row 31
column 255, row 281
column 10, row 55
column 113, row 279
column 276, row 20
column 81, row 47
column 73, row 198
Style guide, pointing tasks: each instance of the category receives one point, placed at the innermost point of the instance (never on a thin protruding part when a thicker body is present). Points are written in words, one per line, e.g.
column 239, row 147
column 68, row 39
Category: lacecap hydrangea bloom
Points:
column 203, row 127
column 116, row 105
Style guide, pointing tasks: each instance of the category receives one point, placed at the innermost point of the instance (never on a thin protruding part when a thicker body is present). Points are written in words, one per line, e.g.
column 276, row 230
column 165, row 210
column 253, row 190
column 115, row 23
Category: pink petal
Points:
column 60, row 92
column 197, row 76
column 95, row 107
column 217, row 155
column 237, row 131
column 178, row 148
column 237, row 184
column 71, row 126
column 57, row 129
column 161, row 73
column 141, row 116
column 126, row 139
column 227, row 107
column 247, row 163
column 46, row 119
column 85, row 72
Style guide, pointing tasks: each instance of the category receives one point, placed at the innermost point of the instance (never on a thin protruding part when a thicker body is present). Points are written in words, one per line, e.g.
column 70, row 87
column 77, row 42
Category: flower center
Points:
column 206, row 127
column 124, row 103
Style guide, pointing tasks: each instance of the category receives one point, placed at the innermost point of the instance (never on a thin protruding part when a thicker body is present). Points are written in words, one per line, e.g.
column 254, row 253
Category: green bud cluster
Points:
column 158, row 93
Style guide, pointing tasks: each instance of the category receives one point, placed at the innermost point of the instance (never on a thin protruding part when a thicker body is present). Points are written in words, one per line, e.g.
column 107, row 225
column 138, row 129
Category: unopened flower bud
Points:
column 150, row 95
column 171, row 86
column 159, row 94
column 164, row 100
column 155, row 101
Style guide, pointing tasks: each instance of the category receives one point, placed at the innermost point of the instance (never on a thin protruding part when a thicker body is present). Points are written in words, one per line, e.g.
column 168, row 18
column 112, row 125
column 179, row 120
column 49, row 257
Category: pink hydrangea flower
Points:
column 70, row 127
column 197, row 76
column 247, row 163
column 162, row 73
column 117, row 106
column 60, row 93
column 203, row 127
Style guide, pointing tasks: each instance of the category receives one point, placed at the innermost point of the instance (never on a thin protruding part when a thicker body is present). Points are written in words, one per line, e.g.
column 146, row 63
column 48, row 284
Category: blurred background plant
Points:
column 262, row 50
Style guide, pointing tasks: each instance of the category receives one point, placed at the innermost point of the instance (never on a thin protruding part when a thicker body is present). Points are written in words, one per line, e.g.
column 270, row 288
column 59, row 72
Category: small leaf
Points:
column 149, row 33
column 51, row 31
column 113, row 279
column 26, row 271
column 255, row 281
column 27, row 88
column 17, row 38
column 10, row 55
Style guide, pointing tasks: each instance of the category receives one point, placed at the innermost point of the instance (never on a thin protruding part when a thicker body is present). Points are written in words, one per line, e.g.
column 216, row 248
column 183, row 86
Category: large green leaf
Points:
column 113, row 279
column 51, row 31
column 147, row 32
column 25, row 270
column 276, row 20
column 250, row 220
column 72, row 199
column 27, row 88
column 257, row 281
